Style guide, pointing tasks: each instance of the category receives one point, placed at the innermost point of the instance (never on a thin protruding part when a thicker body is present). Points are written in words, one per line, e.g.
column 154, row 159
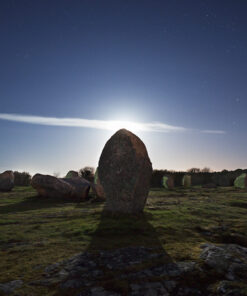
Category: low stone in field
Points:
column 229, row 260
column 125, row 172
column 9, row 287
column 50, row 186
column 72, row 174
column 7, row 181
column 80, row 187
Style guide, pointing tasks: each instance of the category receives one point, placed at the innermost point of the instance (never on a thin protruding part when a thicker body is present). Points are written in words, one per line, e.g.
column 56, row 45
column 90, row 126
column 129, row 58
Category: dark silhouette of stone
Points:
column 7, row 181
column 97, row 188
column 80, row 187
column 98, row 191
column 125, row 172
column 50, row 186
column 9, row 287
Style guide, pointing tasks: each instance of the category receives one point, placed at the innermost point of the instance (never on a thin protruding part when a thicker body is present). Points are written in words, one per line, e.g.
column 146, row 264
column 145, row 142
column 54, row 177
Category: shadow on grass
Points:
column 33, row 203
column 122, row 231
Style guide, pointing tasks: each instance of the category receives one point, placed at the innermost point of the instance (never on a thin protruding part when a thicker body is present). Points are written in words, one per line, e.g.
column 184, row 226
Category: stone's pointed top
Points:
column 124, row 172
column 137, row 143
column 124, row 131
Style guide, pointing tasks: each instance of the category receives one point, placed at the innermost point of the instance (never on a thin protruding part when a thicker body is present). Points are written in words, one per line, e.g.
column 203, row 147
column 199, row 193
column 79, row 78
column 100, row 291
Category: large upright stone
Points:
column 125, row 172
column 6, row 181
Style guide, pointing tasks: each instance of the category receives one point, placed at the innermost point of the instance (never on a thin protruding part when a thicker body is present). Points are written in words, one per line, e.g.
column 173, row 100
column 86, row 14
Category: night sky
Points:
column 174, row 71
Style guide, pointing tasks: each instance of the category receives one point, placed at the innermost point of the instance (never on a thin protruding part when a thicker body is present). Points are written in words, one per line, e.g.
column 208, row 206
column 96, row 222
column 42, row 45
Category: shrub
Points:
column 87, row 173
column 22, row 178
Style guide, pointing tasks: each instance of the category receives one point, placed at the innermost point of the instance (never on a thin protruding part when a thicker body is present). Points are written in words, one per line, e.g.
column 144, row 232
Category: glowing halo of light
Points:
column 101, row 124
column 115, row 125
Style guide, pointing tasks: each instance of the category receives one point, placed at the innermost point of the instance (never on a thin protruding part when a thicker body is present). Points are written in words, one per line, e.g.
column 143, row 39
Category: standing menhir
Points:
column 168, row 182
column 125, row 172
column 186, row 181
column 241, row 181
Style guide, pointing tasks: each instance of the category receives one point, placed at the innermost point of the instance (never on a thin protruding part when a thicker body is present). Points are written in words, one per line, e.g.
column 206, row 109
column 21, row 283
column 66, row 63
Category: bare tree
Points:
column 22, row 178
column 206, row 170
column 194, row 170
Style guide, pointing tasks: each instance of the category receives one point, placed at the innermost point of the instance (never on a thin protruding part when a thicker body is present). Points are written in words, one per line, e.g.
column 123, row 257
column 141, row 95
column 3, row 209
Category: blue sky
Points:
column 175, row 63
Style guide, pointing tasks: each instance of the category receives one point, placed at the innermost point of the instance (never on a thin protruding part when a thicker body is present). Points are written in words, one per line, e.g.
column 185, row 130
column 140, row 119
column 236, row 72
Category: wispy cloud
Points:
column 213, row 132
column 99, row 124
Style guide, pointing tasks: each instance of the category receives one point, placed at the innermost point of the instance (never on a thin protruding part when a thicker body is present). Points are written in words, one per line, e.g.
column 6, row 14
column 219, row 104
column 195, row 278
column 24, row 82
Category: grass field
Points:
column 36, row 232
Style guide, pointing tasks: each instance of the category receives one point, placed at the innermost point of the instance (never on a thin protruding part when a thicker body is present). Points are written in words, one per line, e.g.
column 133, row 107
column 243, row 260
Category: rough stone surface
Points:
column 98, row 291
column 80, row 187
column 228, row 260
column 228, row 288
column 85, row 271
column 144, row 272
column 50, row 186
column 124, row 172
column 149, row 288
column 169, row 270
column 6, row 181
column 8, row 288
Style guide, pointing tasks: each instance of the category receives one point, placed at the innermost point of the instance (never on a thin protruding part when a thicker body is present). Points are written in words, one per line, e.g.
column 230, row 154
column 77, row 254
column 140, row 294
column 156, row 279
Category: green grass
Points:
column 36, row 232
